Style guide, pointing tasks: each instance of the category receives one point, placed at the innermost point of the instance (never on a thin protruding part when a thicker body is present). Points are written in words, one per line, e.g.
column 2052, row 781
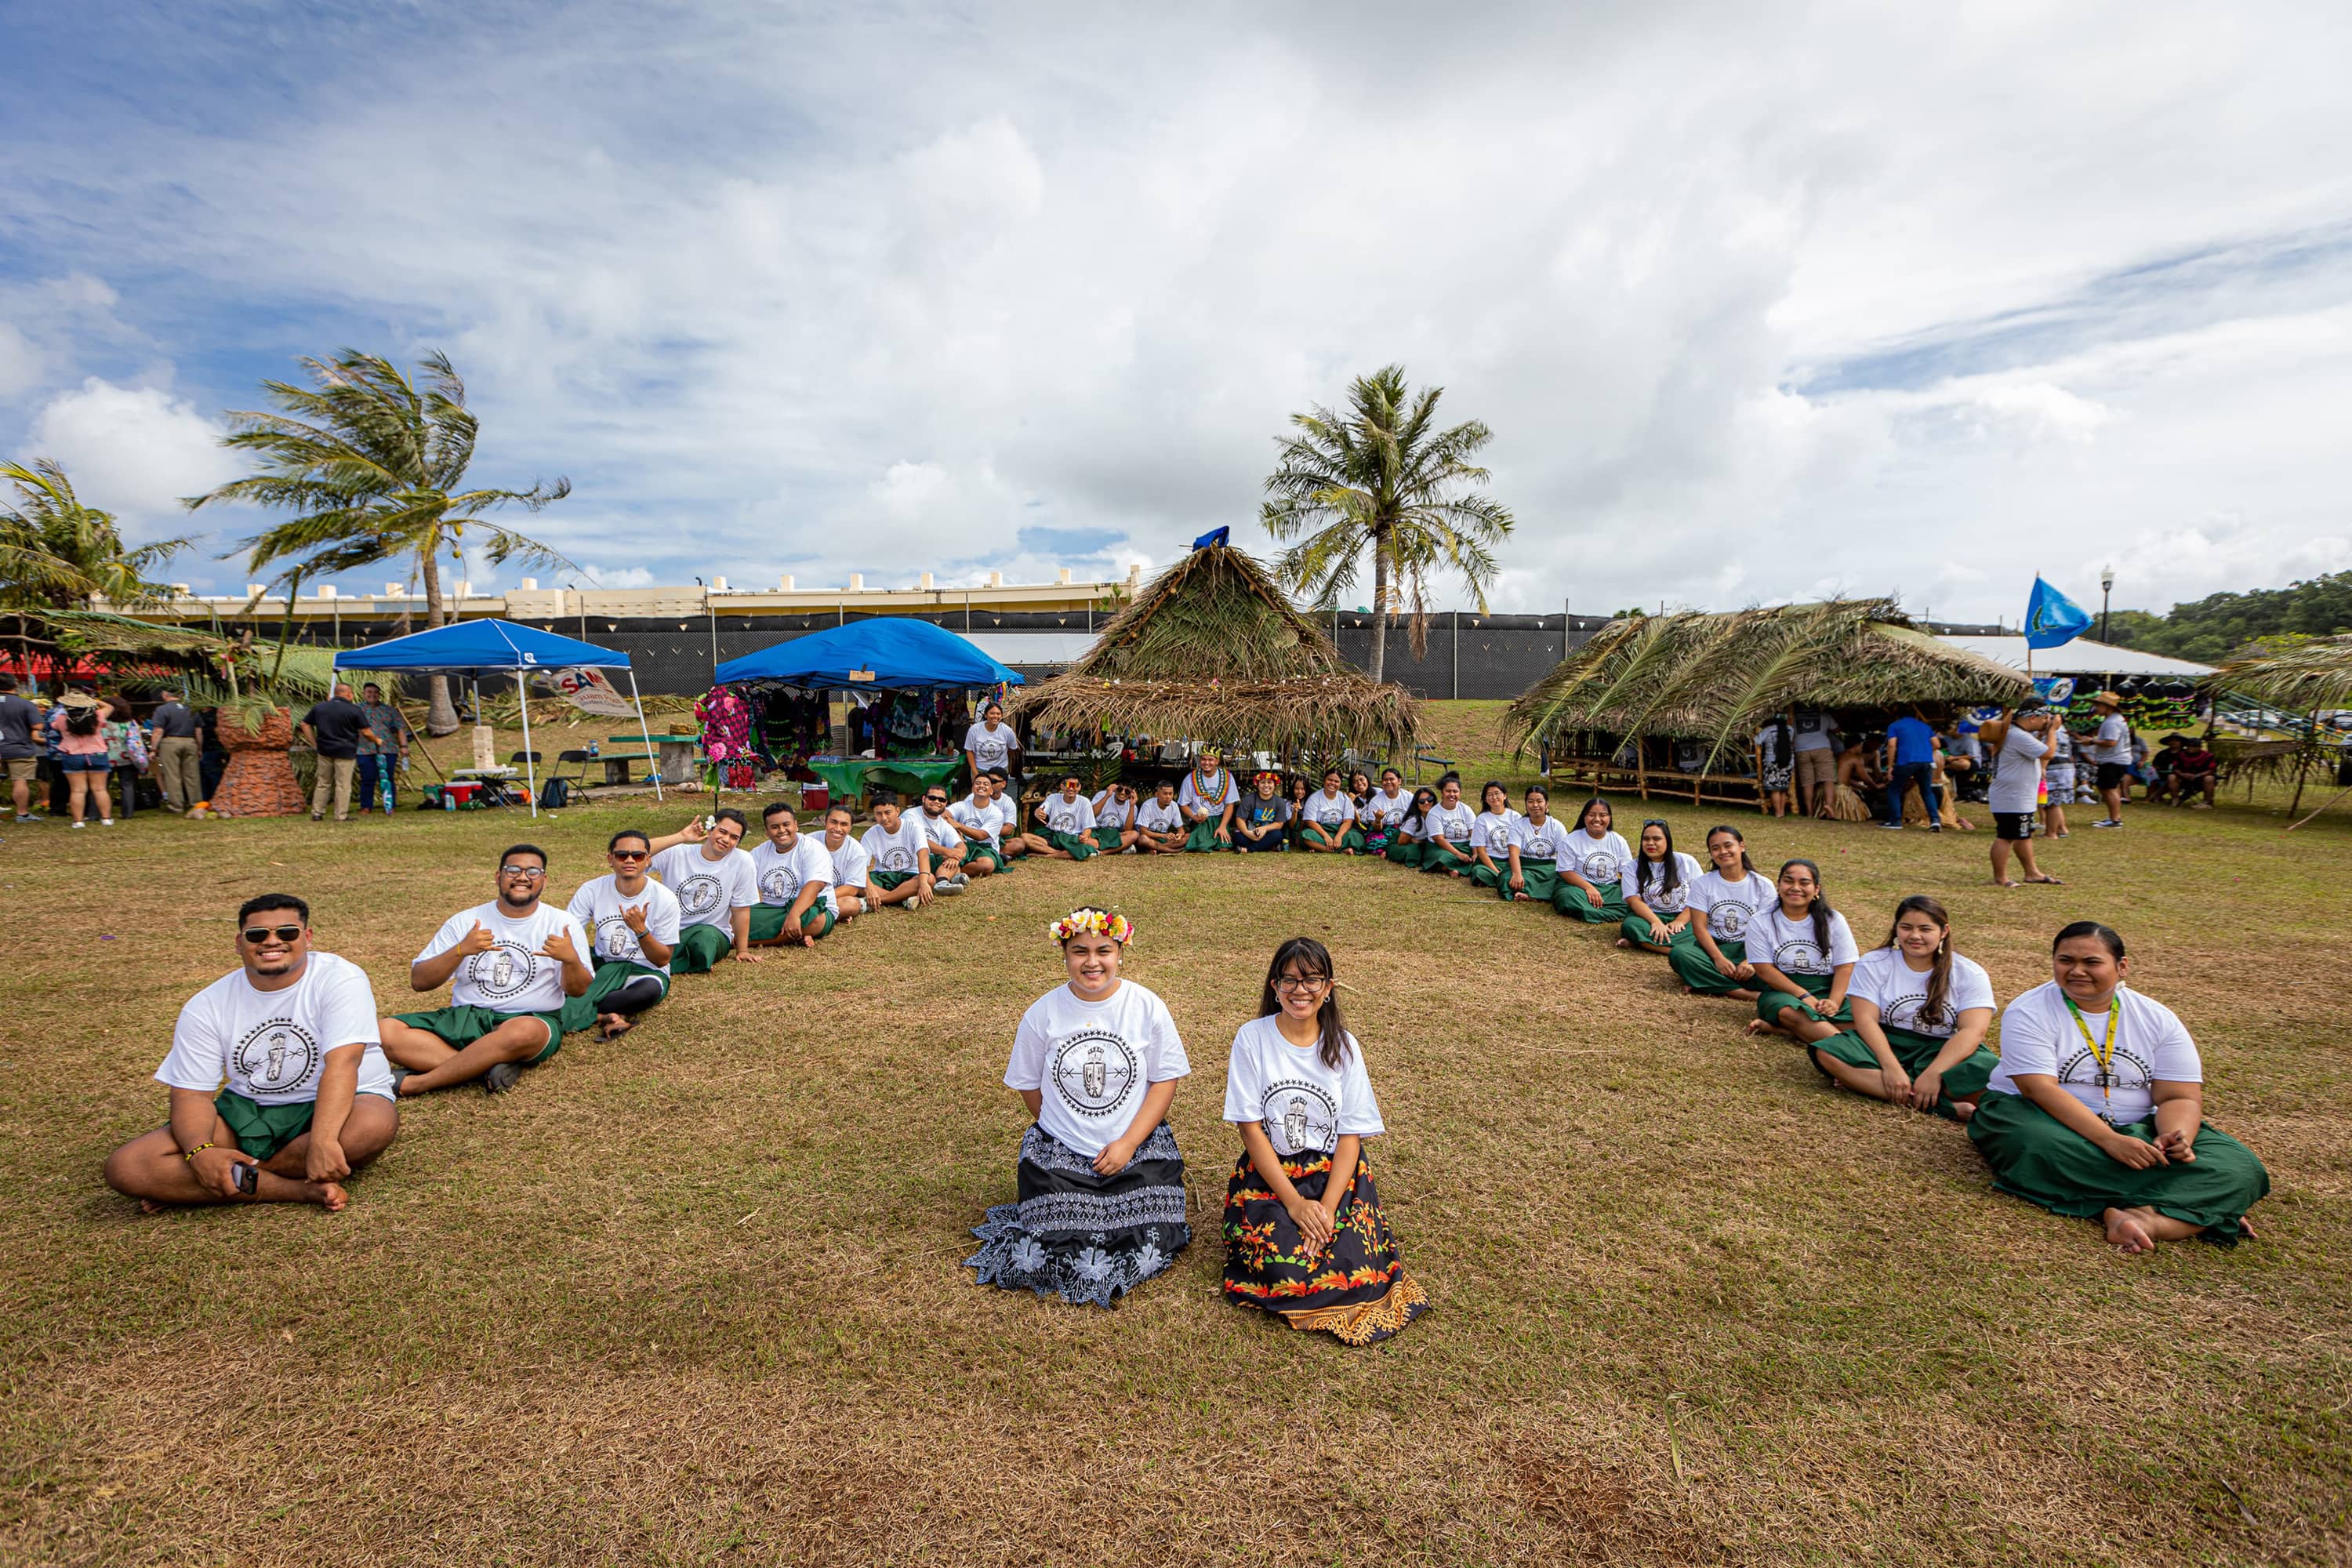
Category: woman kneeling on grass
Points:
column 1305, row 1236
column 1723, row 904
column 1657, row 893
column 1803, row 955
column 2097, row 1108
column 1102, row 1186
column 1920, row 1013
column 1592, row 878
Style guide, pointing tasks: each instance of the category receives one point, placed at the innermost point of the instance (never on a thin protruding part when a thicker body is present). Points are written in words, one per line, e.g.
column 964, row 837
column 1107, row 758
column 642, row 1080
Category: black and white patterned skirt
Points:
column 1089, row 1237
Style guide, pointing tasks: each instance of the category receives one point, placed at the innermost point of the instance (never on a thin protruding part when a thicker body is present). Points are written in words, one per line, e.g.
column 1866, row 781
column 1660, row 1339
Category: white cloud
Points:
column 22, row 365
column 619, row 576
column 134, row 451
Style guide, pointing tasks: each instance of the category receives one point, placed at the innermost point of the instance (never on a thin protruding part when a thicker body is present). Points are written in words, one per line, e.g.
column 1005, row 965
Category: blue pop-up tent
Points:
column 891, row 653
column 473, row 648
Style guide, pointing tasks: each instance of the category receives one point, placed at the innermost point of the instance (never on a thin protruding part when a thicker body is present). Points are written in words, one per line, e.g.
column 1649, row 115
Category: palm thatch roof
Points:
column 1719, row 677
column 1212, row 650
column 2299, row 678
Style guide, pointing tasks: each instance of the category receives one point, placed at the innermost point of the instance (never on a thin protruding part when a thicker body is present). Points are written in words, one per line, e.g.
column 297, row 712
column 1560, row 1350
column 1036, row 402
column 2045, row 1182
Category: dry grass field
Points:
column 694, row 1297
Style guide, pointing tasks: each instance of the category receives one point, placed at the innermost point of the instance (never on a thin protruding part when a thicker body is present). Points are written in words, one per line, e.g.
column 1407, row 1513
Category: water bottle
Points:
column 448, row 800
column 593, row 750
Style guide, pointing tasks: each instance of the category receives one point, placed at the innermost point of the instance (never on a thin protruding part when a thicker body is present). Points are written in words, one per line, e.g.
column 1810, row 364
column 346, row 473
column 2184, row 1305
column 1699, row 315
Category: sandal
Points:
column 607, row 1032
column 2048, row 881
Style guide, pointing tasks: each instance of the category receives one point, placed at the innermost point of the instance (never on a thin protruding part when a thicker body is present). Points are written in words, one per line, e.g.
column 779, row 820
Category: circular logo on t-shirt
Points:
column 780, row 883
column 1065, row 819
column 1599, row 866
column 896, row 858
column 699, row 895
column 506, row 970
column 1298, row 1116
column 275, row 1057
column 1798, row 955
column 1457, row 832
column 1092, row 1071
column 617, row 940
column 1729, row 921
column 1911, row 1013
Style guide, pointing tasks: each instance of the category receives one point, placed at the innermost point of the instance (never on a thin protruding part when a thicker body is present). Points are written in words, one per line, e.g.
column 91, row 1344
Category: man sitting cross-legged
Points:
column 308, row 1095
column 851, row 896
column 509, row 964
column 703, row 864
column 901, row 872
column 975, row 817
column 946, row 843
column 1160, row 822
column 633, row 922
column 793, row 873
column 1067, row 817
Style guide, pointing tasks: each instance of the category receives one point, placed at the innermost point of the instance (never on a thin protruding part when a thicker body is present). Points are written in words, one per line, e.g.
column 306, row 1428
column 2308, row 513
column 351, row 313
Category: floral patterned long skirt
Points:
column 1089, row 1237
column 1356, row 1289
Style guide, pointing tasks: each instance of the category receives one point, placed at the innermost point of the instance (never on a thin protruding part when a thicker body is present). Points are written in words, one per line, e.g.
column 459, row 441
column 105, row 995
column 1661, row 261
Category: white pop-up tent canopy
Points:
column 498, row 648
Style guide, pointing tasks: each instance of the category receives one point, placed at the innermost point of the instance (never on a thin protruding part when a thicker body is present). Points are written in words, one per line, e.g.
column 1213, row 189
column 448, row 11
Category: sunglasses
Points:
column 255, row 935
column 935, row 800
column 629, row 853
column 1654, row 822
column 528, row 873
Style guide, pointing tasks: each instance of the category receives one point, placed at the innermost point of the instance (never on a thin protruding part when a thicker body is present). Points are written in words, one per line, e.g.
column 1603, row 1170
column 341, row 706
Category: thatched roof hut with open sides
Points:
column 1716, row 678
column 1212, row 650
column 2307, row 684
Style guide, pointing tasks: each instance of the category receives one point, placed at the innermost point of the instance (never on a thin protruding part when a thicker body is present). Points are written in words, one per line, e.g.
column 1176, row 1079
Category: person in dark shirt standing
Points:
column 336, row 727
column 20, row 723
column 178, row 758
column 1911, row 751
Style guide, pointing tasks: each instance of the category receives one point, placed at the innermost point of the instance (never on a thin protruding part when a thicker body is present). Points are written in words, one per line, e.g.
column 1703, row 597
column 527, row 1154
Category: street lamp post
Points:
column 2107, row 592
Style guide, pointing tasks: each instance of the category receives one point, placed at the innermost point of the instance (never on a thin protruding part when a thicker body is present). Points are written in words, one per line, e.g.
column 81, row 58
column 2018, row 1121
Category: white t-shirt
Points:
column 1816, row 731
column 1333, row 811
column 1304, row 1106
column 849, row 863
column 1788, row 946
column 1731, row 907
column 779, row 876
column 1900, row 993
column 1546, row 843
column 597, row 907
column 1159, row 818
column 1110, row 811
column 2037, row 1034
column 1603, row 860
column 1648, row 875
column 514, row 977
column 1452, row 823
column 1385, row 809
column 939, row 830
column 1221, row 793
column 900, row 853
column 1093, row 1061
column 1495, row 835
column 271, row 1046
column 706, row 888
column 2017, row 776
column 1071, row 817
column 980, row 817
column 989, row 748
column 2113, row 742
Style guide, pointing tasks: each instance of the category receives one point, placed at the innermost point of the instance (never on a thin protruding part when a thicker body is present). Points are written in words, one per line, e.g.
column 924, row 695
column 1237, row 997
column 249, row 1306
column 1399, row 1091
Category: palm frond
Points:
column 2297, row 677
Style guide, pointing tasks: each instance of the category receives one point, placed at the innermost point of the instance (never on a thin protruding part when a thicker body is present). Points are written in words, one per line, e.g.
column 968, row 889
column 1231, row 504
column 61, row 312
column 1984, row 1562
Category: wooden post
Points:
column 1642, row 764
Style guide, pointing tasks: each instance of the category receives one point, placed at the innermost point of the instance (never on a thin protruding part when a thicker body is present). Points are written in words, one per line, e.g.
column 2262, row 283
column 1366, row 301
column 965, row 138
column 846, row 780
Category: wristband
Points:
column 190, row 1157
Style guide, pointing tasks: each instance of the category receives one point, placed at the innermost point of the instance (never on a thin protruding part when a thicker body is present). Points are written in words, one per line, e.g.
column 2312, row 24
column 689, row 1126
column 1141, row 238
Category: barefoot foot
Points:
column 1623, row 942
column 2128, row 1231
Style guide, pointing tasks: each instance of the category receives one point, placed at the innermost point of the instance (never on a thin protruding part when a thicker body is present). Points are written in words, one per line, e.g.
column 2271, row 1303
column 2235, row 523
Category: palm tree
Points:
column 1382, row 476
column 58, row 554
column 371, row 463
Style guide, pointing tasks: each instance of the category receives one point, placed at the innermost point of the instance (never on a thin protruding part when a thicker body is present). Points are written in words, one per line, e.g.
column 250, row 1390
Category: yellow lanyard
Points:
column 2105, row 1055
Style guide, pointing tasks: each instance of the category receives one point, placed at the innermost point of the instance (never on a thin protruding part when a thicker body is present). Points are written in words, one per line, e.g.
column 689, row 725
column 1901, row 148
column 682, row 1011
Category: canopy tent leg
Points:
column 530, row 768
column 647, row 736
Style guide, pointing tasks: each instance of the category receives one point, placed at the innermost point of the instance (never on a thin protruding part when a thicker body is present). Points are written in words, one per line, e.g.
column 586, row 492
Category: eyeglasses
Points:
column 528, row 873
column 255, row 935
column 1311, row 983
column 629, row 853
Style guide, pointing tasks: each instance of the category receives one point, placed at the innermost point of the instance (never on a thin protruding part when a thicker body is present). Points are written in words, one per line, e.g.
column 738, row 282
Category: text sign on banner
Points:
column 588, row 690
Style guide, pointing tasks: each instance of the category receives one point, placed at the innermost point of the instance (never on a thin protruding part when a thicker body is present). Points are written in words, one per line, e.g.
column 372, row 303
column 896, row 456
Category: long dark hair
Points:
column 1939, row 978
column 1820, row 909
column 1417, row 814
column 1784, row 743
column 1669, row 875
column 1489, row 787
column 1736, row 837
column 1586, row 810
column 1316, row 959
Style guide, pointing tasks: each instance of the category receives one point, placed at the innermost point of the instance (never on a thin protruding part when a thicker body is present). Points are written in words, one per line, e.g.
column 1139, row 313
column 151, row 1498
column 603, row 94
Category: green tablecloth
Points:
column 848, row 777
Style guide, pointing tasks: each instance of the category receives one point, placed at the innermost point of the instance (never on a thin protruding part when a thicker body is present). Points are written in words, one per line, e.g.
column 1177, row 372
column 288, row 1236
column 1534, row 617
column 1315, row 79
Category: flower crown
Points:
column 1085, row 922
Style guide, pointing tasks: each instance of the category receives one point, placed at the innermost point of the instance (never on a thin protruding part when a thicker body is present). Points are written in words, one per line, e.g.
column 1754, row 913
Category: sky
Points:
column 1760, row 300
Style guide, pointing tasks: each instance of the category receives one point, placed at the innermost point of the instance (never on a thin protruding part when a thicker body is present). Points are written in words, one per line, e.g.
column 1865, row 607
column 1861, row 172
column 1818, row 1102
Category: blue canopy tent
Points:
column 890, row 653
column 471, row 648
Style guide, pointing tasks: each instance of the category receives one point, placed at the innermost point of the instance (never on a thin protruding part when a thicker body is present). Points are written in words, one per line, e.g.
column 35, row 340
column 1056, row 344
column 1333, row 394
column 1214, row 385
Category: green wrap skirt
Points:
column 1352, row 839
column 1444, row 855
column 1403, row 851
column 2035, row 1156
column 1577, row 904
column 1636, row 929
column 1916, row 1052
column 1769, row 1005
column 1695, row 969
column 1076, row 845
column 1202, row 838
column 1109, row 839
column 1541, row 878
column 581, row 1012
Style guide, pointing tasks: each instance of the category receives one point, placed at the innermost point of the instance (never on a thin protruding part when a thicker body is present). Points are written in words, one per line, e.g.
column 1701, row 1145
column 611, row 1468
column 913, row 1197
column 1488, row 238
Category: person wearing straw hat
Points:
column 1207, row 797
column 2111, row 751
column 79, row 728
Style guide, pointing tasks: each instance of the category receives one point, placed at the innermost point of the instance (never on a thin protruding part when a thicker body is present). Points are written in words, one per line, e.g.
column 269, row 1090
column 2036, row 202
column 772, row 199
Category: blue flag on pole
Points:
column 2052, row 618
column 1214, row 536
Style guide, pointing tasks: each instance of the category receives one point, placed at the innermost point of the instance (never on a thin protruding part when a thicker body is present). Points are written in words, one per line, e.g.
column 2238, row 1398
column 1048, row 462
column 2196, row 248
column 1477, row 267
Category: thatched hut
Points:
column 1212, row 650
column 2299, row 681
column 1617, row 708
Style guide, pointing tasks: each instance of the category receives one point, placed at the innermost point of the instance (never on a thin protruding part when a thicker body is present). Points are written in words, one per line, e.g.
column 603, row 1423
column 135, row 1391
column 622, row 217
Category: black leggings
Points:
column 639, row 993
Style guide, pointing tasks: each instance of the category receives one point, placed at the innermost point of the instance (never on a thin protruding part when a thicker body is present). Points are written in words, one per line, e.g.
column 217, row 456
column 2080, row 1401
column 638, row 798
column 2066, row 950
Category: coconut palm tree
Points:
column 58, row 554
column 371, row 463
column 1382, row 476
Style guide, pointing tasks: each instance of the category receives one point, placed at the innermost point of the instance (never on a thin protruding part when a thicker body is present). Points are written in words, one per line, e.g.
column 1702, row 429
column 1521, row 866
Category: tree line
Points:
column 2210, row 630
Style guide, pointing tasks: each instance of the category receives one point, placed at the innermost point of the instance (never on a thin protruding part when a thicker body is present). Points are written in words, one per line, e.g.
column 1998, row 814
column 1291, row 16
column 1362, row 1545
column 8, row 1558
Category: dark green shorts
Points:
column 581, row 1012
column 461, row 1026
column 263, row 1129
column 1112, row 839
column 889, row 881
column 699, row 948
column 768, row 921
column 1076, row 846
column 983, row 855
